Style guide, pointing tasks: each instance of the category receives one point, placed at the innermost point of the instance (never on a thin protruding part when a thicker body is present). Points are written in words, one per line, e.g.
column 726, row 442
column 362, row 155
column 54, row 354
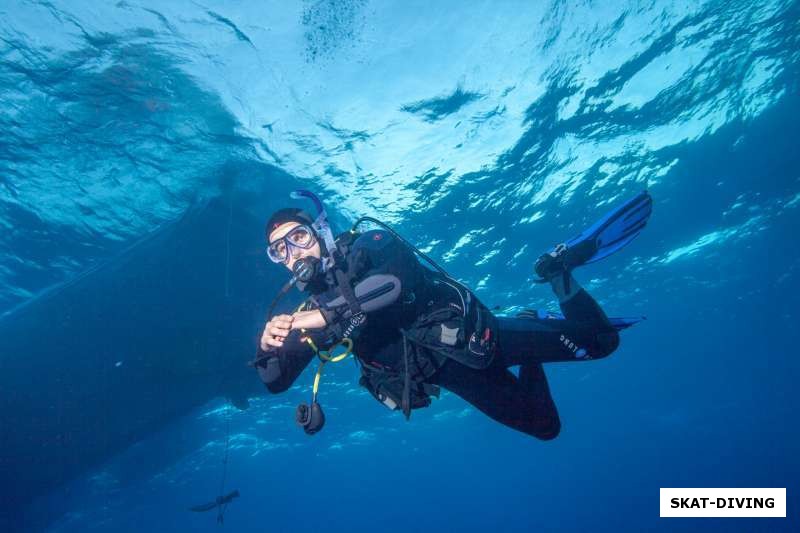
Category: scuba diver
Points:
column 413, row 329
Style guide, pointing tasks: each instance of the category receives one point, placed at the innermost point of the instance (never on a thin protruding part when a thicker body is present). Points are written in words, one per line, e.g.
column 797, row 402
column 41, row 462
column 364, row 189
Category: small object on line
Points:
column 219, row 502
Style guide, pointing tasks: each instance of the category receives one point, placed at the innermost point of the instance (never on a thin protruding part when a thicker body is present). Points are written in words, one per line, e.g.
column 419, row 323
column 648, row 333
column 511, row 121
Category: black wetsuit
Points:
column 523, row 403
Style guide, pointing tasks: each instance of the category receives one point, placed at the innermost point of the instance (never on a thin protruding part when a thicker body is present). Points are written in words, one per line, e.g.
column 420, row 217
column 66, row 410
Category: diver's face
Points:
column 294, row 252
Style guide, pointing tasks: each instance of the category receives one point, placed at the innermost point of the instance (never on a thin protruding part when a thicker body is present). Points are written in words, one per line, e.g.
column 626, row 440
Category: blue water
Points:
column 484, row 132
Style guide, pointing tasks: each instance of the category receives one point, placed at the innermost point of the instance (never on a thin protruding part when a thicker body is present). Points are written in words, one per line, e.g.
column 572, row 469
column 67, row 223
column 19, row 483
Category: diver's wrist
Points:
column 308, row 320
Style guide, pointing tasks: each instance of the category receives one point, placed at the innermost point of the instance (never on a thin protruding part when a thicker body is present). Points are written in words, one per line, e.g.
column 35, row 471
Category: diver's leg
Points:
column 533, row 384
column 524, row 404
column 576, row 303
column 551, row 340
column 584, row 333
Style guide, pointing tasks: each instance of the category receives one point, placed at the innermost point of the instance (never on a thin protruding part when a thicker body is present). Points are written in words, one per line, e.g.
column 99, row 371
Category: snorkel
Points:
column 321, row 227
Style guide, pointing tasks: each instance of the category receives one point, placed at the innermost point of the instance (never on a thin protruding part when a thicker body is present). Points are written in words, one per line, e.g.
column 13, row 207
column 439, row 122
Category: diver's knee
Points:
column 607, row 342
column 548, row 432
column 551, row 433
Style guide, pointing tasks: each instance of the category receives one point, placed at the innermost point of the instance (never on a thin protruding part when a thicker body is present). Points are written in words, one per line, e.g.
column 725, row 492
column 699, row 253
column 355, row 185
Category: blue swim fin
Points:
column 607, row 236
column 621, row 323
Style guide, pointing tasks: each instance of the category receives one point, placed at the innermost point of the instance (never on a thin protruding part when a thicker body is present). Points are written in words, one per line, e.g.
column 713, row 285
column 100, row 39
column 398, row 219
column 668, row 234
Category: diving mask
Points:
column 301, row 237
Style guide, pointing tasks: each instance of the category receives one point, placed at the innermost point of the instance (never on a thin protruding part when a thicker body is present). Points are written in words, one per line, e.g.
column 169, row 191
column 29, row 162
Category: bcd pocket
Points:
column 387, row 388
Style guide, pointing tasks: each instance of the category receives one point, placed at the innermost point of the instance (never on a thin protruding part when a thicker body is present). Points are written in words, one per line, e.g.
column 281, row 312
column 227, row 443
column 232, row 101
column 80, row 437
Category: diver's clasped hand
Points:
column 276, row 331
column 279, row 327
